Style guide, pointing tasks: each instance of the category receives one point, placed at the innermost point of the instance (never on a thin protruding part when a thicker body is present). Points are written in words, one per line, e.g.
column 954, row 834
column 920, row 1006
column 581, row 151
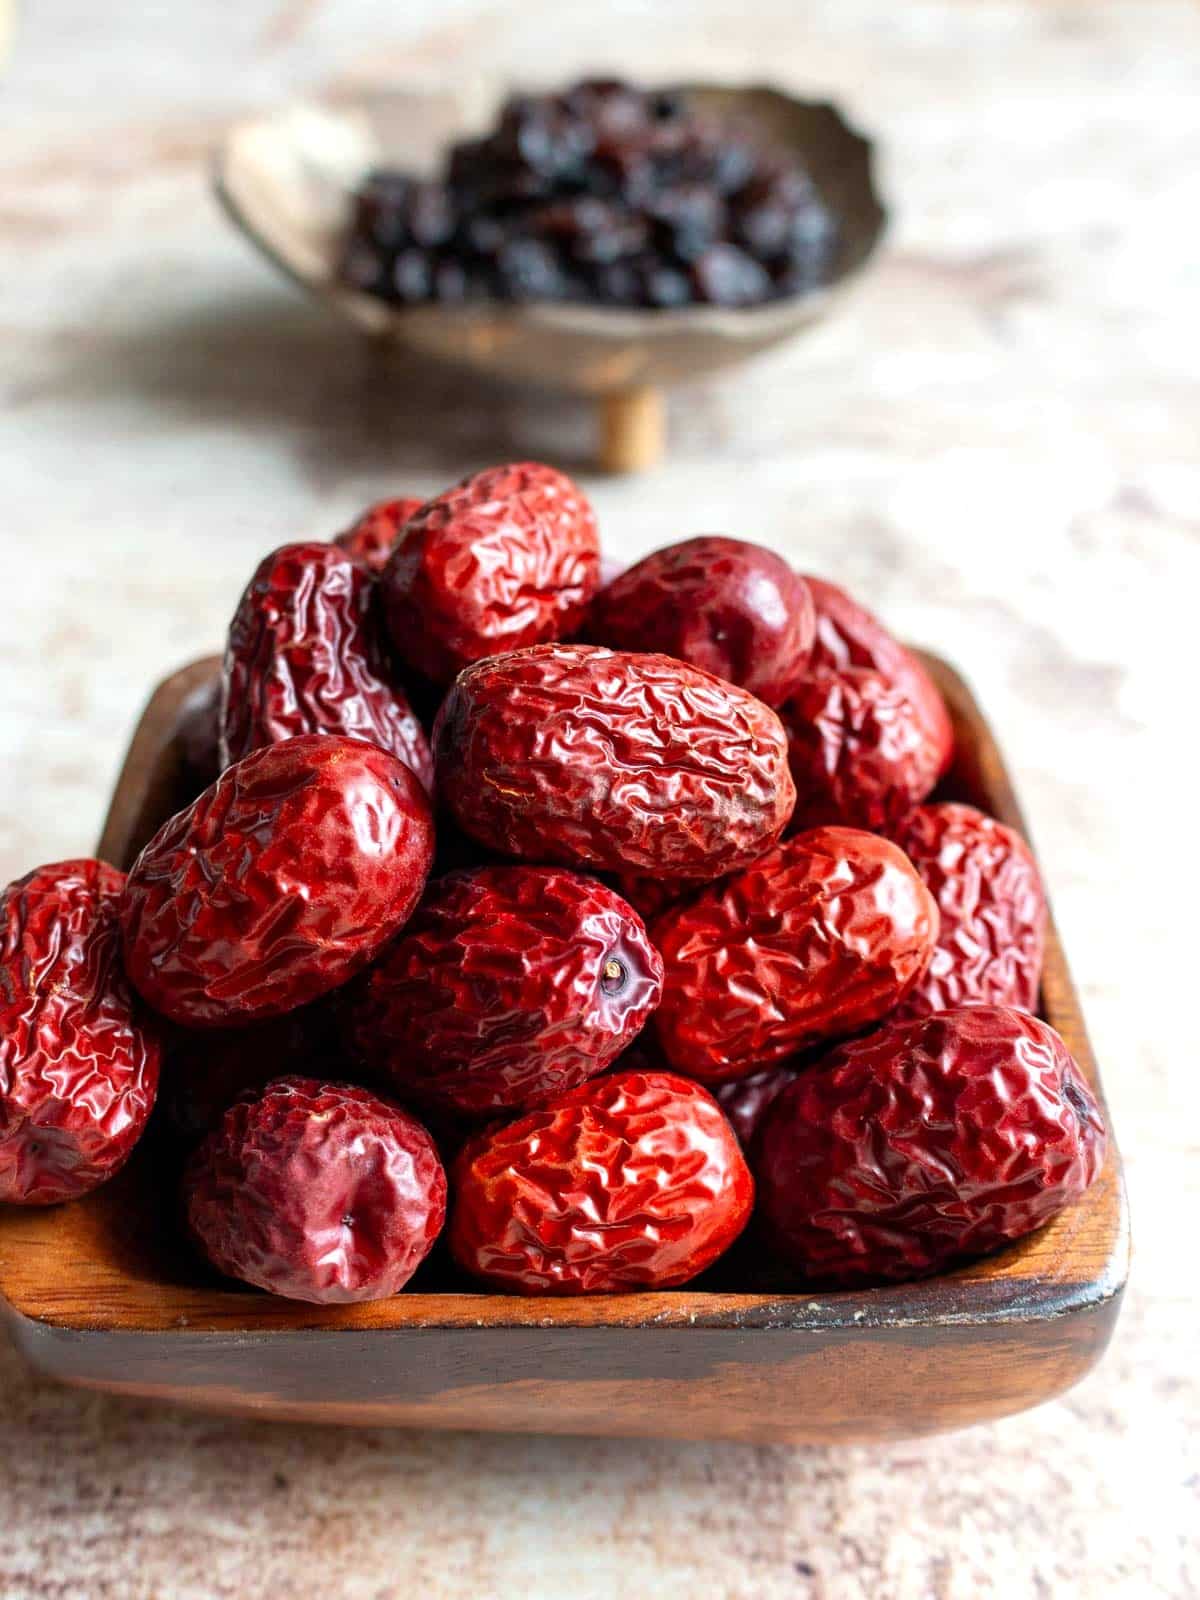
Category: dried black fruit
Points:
column 603, row 192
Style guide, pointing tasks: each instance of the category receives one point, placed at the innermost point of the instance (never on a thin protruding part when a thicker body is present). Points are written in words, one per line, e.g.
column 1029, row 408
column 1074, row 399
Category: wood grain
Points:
column 101, row 1294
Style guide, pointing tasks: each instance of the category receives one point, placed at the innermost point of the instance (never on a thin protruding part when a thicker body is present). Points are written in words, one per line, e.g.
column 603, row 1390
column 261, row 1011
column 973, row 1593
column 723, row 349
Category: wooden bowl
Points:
column 288, row 180
column 102, row 1294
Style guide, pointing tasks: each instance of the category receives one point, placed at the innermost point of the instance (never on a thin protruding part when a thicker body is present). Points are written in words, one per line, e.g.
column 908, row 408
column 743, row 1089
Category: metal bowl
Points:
column 288, row 181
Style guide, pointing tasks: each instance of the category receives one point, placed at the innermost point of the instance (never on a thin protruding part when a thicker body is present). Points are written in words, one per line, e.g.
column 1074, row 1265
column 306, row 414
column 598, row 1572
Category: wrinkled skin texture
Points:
column 317, row 1191
column 79, row 1058
column 745, row 1100
column 735, row 609
column 509, row 985
column 633, row 1181
column 993, row 910
column 927, row 1143
column 621, row 762
column 278, row 883
column 508, row 558
column 821, row 937
column 301, row 658
column 848, row 635
column 371, row 539
column 859, row 752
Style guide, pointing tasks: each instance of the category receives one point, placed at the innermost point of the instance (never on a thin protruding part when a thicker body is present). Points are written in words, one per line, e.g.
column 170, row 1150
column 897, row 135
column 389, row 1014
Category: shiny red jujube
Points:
column 509, row 984
column 633, row 1181
column 302, row 658
column 992, row 904
column 859, row 750
column 735, row 609
column 822, row 936
column 277, row 884
column 317, row 1191
column 848, row 635
column 371, row 539
column 606, row 759
column 79, row 1057
column 926, row 1143
column 508, row 558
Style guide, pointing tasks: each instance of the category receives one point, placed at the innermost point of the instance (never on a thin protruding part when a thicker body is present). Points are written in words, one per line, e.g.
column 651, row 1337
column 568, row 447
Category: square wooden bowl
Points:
column 101, row 1294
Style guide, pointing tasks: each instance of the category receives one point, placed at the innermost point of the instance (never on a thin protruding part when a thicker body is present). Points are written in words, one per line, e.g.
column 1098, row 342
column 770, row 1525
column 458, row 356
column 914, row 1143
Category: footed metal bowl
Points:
column 288, row 181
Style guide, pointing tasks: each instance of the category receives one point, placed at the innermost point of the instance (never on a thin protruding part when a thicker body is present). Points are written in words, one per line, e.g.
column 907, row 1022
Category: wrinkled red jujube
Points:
column 860, row 753
column 508, row 558
column 302, row 658
column 822, row 936
column 277, row 884
column 371, row 539
column 606, row 759
column 317, row 1191
column 992, row 905
column 632, row 1181
column 510, row 984
column 926, row 1143
column 79, row 1056
column 848, row 635
column 735, row 609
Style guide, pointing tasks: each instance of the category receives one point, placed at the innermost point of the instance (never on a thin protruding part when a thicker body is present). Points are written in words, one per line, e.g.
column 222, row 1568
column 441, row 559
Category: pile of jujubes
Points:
column 594, row 926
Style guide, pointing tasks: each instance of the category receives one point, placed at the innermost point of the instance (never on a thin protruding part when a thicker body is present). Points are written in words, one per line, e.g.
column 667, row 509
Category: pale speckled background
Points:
column 997, row 445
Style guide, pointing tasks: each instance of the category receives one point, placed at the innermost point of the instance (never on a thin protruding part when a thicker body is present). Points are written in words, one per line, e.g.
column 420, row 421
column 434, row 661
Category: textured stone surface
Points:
column 996, row 446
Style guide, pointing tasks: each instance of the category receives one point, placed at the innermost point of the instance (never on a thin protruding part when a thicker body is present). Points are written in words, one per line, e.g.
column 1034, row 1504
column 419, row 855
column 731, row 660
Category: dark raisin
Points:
column 412, row 276
column 529, row 270
column 430, row 212
column 687, row 221
column 727, row 276
column 665, row 286
column 602, row 191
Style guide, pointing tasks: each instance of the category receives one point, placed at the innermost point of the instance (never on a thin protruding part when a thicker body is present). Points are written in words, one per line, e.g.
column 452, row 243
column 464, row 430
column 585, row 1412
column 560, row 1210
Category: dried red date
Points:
column 848, row 635
column 318, row 1191
column 278, row 883
column 79, row 1059
column 301, row 658
column 627, row 763
column 823, row 936
column 507, row 558
column 745, row 1100
column 510, row 984
column 634, row 1180
column 371, row 539
column 926, row 1143
column 735, row 609
column 860, row 753
column 992, row 904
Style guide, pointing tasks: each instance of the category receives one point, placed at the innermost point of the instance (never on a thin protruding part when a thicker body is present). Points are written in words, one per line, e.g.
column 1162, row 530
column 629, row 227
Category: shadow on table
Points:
column 344, row 403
